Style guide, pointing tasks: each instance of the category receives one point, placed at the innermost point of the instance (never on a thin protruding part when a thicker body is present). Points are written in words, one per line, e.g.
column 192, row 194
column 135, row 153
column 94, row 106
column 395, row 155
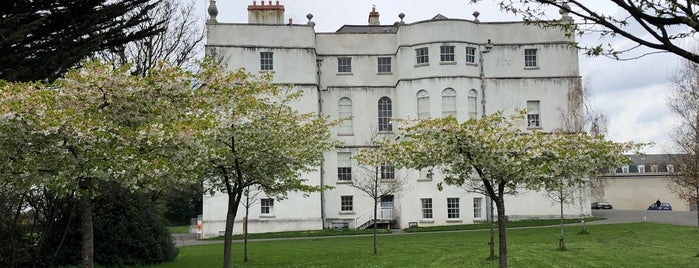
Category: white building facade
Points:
column 374, row 73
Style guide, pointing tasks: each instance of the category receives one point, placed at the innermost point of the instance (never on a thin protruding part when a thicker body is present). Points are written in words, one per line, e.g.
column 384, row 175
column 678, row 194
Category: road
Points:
column 687, row 218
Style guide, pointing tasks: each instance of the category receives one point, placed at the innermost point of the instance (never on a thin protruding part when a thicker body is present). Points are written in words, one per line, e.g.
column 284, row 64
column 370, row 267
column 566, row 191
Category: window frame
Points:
column 531, row 56
column 453, row 208
column 472, row 104
column 385, row 114
column 344, row 111
column 346, row 203
column 423, row 104
column 449, row 102
column 470, row 57
column 426, row 208
column 478, row 207
column 344, row 65
column 383, row 67
column 266, row 206
column 266, row 61
column 388, row 172
column 447, row 54
column 422, row 55
column 344, row 166
column 533, row 114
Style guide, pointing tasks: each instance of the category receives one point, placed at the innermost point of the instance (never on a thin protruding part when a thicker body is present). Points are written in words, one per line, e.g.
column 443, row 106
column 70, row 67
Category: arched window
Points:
column 449, row 102
column 344, row 110
column 385, row 114
column 423, row 104
column 472, row 104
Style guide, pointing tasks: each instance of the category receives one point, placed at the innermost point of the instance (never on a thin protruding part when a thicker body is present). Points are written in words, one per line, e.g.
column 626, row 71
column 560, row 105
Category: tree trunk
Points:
column 233, row 201
column 502, row 235
column 245, row 237
column 375, row 230
column 561, row 239
column 492, row 232
column 87, row 251
column 376, row 198
column 696, row 200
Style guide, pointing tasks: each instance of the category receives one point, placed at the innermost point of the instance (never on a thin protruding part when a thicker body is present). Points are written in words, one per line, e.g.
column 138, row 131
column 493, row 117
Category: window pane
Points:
column 533, row 119
column 385, row 114
column 472, row 104
column 345, row 111
column 344, row 166
column 423, row 104
column 387, row 172
column 266, row 61
column 449, row 102
column 346, row 203
column 477, row 207
column 470, row 54
column 266, row 205
column 453, row 208
column 384, row 64
column 426, row 208
column 421, row 55
column 530, row 58
column 344, row 65
column 446, row 53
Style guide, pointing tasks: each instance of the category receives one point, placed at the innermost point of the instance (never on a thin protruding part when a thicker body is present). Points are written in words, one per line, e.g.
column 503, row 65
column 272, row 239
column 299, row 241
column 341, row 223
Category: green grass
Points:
column 311, row 233
column 480, row 226
column 616, row 245
column 184, row 229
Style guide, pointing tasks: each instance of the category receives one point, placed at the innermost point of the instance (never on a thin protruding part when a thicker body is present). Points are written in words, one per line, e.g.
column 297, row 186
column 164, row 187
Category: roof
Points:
column 368, row 29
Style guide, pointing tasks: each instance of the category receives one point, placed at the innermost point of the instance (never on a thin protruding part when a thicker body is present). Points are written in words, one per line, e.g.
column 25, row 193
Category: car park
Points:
column 663, row 206
column 601, row 205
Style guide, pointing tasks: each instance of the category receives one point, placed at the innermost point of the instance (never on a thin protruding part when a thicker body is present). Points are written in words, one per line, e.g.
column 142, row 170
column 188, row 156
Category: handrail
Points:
column 356, row 220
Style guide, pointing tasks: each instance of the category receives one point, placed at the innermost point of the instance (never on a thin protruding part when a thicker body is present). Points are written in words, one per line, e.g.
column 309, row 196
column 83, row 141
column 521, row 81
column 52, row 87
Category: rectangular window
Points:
column 388, row 172
column 654, row 168
column 344, row 166
column 452, row 208
column 478, row 207
column 421, row 55
column 625, row 169
column 533, row 119
column 426, row 208
column 344, row 65
column 384, row 64
column 641, row 169
column 266, row 61
column 470, row 55
column 670, row 168
column 346, row 203
column 530, row 57
column 446, row 53
column 267, row 206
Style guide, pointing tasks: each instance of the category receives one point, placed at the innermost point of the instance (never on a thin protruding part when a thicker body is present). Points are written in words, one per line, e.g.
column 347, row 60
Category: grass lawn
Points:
column 618, row 245
column 184, row 229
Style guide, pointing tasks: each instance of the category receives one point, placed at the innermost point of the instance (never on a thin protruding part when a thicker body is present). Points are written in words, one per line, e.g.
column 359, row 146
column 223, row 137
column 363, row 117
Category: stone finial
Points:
column 309, row 16
column 213, row 12
column 401, row 16
column 475, row 16
column 565, row 11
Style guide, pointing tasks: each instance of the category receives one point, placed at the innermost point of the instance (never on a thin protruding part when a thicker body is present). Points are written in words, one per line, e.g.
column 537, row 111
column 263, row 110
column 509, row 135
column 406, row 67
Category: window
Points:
column 423, row 104
column 344, row 65
column 452, row 208
column 388, row 172
column 266, row 61
column 533, row 119
column 424, row 174
column 267, row 206
column 449, row 102
column 472, row 104
column 670, row 168
column 421, row 55
column 625, row 169
column 385, row 114
column 426, row 208
column 446, row 53
column 641, row 169
column 478, row 207
column 346, row 203
column 344, row 166
column 344, row 110
column 654, row 168
column 470, row 55
column 384, row 64
column 530, row 57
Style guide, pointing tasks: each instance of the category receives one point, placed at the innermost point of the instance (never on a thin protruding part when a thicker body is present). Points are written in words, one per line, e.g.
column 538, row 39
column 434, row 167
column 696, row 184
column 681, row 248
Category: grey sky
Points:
column 632, row 93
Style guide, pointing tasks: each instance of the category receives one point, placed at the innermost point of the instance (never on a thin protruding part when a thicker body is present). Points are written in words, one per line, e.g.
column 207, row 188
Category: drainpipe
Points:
column 486, row 48
column 322, row 161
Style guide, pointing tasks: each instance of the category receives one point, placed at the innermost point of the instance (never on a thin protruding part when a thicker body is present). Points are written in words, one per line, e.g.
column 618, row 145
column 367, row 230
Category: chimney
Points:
column 374, row 16
column 266, row 14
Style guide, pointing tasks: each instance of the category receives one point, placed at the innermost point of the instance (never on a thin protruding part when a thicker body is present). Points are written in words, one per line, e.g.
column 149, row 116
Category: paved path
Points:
column 613, row 217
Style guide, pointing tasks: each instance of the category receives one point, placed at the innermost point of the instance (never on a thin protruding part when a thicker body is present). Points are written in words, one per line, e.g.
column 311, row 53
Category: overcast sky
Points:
column 632, row 94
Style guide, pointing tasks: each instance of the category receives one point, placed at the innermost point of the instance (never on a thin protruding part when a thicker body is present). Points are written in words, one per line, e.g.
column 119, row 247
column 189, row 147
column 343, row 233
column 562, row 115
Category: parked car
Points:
column 601, row 205
column 663, row 206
